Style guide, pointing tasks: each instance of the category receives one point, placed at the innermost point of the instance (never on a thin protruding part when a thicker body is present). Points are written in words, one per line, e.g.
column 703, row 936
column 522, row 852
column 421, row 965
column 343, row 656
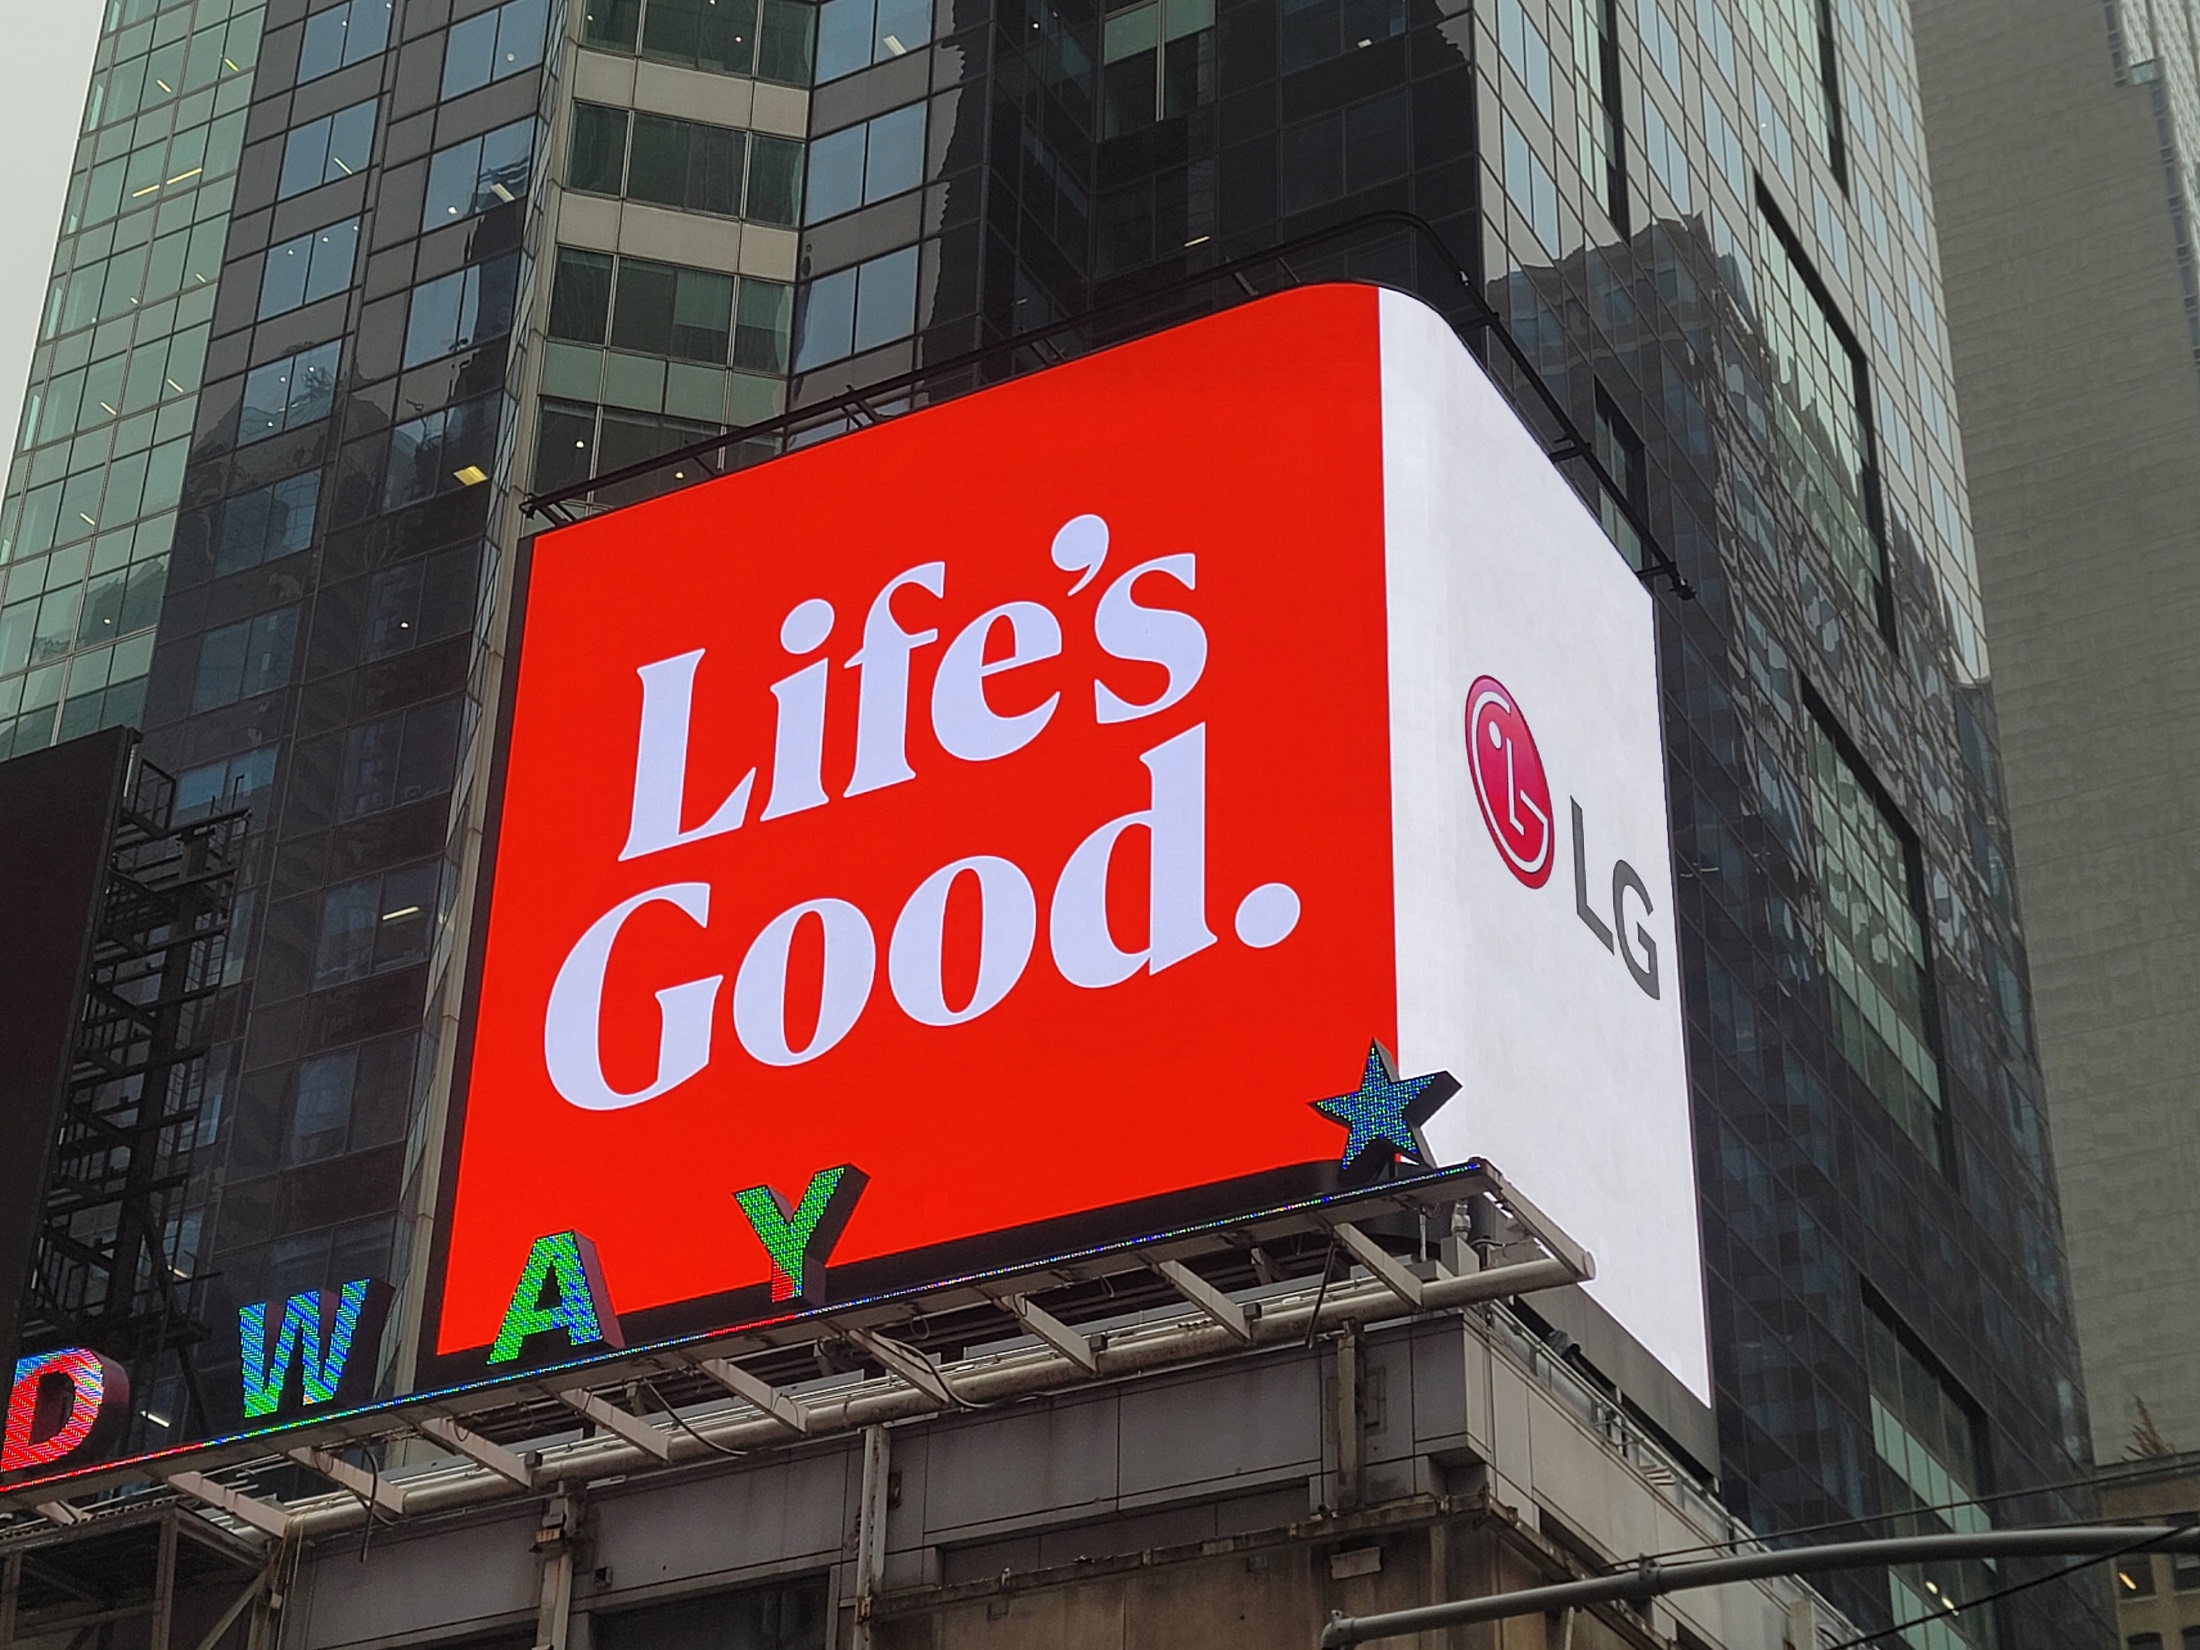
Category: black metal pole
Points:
column 1651, row 1579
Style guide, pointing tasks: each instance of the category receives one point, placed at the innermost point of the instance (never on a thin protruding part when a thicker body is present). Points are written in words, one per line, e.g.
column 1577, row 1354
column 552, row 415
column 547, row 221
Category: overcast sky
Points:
column 43, row 72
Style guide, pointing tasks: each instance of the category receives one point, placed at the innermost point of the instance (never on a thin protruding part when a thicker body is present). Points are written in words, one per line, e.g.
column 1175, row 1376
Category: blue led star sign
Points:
column 1382, row 1118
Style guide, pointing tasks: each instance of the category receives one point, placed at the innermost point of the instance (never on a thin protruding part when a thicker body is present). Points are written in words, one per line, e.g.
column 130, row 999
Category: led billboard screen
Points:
column 57, row 817
column 996, row 830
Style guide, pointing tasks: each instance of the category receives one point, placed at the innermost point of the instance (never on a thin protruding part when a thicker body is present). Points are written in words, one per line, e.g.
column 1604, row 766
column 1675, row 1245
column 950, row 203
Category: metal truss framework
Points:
column 105, row 1270
column 1285, row 1279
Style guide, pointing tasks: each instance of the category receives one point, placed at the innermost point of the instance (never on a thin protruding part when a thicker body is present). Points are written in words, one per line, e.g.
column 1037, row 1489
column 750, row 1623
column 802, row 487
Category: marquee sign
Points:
column 1135, row 793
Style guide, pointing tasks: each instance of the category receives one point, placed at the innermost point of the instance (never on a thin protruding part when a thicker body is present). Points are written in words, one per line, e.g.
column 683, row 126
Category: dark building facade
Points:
column 340, row 286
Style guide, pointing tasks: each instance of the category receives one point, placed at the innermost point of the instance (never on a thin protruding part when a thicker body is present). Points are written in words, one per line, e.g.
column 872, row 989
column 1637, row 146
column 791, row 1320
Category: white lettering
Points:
column 760, row 989
column 967, row 726
column 660, row 764
column 798, row 744
column 882, row 702
column 1008, row 920
column 1149, row 635
column 573, row 1025
column 1176, row 902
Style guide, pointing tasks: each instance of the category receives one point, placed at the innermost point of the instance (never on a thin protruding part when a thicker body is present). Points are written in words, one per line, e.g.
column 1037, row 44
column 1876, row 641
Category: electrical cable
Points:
column 2088, row 1481
column 677, row 1420
column 1999, row 1593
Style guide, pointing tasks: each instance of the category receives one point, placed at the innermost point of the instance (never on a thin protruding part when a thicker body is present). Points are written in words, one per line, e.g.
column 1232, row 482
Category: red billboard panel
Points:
column 991, row 800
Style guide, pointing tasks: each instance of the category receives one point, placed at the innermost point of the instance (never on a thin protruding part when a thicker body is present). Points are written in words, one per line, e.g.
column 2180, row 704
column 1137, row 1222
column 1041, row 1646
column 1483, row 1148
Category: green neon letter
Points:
column 322, row 1349
column 799, row 1238
column 560, row 1287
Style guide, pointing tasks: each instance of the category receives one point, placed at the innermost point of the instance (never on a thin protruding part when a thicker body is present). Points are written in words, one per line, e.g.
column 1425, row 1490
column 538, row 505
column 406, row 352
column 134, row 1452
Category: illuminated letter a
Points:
column 560, row 1287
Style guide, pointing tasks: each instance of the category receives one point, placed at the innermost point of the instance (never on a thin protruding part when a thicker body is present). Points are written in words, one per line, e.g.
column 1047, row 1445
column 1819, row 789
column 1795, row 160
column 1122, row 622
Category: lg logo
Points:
column 1515, row 797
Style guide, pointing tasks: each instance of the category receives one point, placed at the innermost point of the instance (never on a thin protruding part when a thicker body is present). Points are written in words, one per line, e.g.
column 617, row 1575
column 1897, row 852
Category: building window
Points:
column 375, row 925
column 482, row 172
column 728, row 36
column 449, row 448
column 399, row 760
column 1875, row 943
column 1600, row 127
column 267, row 523
column 853, row 310
column 1158, row 63
column 1797, row 35
column 2135, row 1579
column 1522, row 45
column 322, row 151
column 461, row 310
column 1529, row 186
column 1928, row 1477
column 308, row 268
column 351, row 1100
column 1619, row 450
column 688, row 165
column 2184, row 1568
column 348, row 33
column 245, row 659
column 868, row 162
column 284, row 395
column 492, row 45
column 854, row 34
column 1822, row 431
column 1345, row 152
column 1314, row 31
column 2141, row 1641
column 667, row 310
column 220, row 786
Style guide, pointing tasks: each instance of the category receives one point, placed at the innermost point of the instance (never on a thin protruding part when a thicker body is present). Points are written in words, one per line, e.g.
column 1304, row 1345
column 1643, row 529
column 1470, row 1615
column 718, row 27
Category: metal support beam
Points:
column 11, row 1595
column 554, row 1614
column 1650, row 1578
column 237, row 1607
column 164, row 1586
column 483, row 1452
column 1206, row 1297
column 1072, row 1344
column 370, row 1487
column 788, row 1410
column 1351, row 1440
column 908, row 1365
column 871, row 1529
column 264, row 1516
column 643, row 1435
column 1386, row 1267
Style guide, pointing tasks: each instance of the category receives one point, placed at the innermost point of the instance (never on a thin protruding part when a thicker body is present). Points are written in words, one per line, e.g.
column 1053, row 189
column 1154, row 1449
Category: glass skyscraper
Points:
column 339, row 287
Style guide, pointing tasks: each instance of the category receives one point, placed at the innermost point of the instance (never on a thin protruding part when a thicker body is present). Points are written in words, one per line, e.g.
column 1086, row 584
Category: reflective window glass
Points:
column 245, row 659
column 308, row 268
column 1876, row 963
column 478, row 174
column 580, row 298
column 321, row 151
column 343, row 34
column 596, row 162
column 285, row 394
column 494, row 44
column 775, row 180
column 460, row 310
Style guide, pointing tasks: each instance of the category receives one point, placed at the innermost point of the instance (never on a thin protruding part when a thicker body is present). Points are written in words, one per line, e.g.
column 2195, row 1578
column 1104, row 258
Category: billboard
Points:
column 58, row 809
column 1084, row 806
